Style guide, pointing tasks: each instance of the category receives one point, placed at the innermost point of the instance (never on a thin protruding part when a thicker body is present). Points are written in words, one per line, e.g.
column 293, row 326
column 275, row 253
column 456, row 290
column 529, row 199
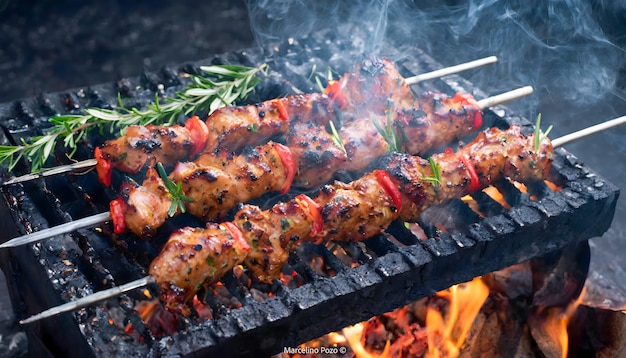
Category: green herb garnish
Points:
column 220, row 87
column 435, row 179
column 336, row 138
column 174, row 191
column 394, row 142
column 539, row 135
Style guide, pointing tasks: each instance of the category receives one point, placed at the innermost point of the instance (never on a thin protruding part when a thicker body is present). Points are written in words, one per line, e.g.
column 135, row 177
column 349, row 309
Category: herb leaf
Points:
column 219, row 87
column 174, row 191
column 394, row 141
column 435, row 179
column 336, row 138
column 539, row 135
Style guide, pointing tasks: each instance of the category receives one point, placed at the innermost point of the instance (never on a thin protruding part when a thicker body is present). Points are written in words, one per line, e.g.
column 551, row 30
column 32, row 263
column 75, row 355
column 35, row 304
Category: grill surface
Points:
column 366, row 279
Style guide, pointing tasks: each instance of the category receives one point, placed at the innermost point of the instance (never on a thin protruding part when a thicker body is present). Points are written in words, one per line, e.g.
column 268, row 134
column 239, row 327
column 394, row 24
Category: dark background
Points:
column 50, row 46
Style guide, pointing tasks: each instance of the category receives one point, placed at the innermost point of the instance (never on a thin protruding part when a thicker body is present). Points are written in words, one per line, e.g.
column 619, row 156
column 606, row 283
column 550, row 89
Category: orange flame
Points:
column 557, row 321
column 445, row 337
column 497, row 196
column 353, row 336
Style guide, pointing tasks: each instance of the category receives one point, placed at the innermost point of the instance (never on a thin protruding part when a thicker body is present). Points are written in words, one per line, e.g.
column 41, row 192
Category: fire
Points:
column 445, row 337
column 353, row 335
column 557, row 320
column 497, row 196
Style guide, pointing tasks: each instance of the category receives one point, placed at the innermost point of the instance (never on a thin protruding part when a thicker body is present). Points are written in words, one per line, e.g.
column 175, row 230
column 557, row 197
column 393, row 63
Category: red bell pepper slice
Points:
column 199, row 135
column 336, row 94
column 474, row 182
column 103, row 167
column 468, row 99
column 289, row 163
column 282, row 111
column 237, row 235
column 383, row 178
column 314, row 212
column 118, row 214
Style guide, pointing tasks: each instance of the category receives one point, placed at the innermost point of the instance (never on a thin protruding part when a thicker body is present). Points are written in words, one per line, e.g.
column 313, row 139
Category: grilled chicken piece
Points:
column 217, row 186
column 366, row 207
column 438, row 121
column 193, row 257
column 235, row 127
column 355, row 211
column 146, row 205
column 318, row 153
column 132, row 151
column 272, row 235
column 374, row 86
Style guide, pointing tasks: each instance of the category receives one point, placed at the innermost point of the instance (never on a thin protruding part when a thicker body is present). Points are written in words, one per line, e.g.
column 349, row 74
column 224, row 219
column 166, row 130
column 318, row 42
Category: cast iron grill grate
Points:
column 332, row 286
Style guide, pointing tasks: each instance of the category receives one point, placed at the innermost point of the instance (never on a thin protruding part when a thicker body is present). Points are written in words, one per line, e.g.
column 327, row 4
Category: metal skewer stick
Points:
column 451, row 70
column 561, row 141
column 410, row 81
column 100, row 218
column 115, row 291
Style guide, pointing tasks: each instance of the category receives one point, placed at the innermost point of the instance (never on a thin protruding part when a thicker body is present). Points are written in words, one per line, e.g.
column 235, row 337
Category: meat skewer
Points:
column 216, row 183
column 103, row 217
column 262, row 239
column 409, row 81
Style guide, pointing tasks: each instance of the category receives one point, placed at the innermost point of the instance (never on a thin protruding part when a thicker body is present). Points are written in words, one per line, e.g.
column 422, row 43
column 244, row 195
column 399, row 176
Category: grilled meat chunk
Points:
column 146, row 205
column 194, row 257
column 218, row 183
column 132, row 151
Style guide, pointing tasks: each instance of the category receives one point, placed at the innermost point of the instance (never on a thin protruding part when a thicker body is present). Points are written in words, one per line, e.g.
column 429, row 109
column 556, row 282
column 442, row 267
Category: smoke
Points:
column 564, row 48
column 277, row 20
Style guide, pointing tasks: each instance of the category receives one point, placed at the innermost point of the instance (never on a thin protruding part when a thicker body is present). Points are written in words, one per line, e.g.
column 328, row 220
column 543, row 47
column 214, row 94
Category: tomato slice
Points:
column 199, row 135
column 282, row 111
column 314, row 212
column 336, row 94
column 474, row 182
column 118, row 213
column 468, row 99
column 389, row 186
column 237, row 235
column 103, row 167
column 289, row 163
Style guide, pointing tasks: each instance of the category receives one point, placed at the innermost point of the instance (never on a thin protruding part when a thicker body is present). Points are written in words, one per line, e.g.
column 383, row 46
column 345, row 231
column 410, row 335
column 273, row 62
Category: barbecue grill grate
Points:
column 389, row 270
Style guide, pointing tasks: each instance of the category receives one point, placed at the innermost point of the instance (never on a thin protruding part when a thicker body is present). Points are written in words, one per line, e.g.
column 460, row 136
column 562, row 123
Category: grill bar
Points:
column 356, row 280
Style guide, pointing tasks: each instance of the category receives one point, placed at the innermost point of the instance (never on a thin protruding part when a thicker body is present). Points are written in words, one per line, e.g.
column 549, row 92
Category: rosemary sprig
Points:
column 174, row 191
column 221, row 86
column 539, row 135
column 435, row 179
column 394, row 141
column 336, row 138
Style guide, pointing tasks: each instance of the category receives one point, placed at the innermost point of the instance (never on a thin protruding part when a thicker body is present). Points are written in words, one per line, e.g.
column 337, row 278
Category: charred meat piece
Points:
column 193, row 257
column 132, row 151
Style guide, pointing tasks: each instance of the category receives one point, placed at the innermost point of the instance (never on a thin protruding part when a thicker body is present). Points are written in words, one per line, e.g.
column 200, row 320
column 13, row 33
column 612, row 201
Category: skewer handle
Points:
column 505, row 97
column 450, row 70
column 88, row 300
column 58, row 230
column 561, row 141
